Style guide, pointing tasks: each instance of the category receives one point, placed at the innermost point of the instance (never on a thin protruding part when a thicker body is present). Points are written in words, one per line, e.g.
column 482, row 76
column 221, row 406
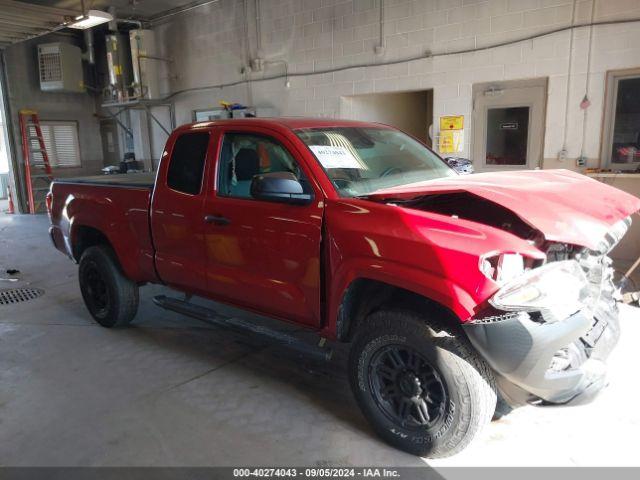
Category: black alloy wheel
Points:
column 419, row 382
column 95, row 290
column 406, row 387
column 111, row 298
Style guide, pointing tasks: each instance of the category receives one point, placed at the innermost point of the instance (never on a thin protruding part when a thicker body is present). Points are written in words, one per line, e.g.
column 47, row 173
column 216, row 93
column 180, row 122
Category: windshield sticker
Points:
column 335, row 157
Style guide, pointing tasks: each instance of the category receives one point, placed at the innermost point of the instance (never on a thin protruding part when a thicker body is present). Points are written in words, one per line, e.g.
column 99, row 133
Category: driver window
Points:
column 245, row 155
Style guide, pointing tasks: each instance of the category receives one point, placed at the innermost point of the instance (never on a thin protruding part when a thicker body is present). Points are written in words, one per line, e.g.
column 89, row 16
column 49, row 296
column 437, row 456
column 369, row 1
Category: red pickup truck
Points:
column 456, row 293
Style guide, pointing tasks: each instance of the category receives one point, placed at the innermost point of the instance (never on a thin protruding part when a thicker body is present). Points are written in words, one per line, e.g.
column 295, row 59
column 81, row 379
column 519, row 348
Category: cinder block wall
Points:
column 23, row 91
column 210, row 45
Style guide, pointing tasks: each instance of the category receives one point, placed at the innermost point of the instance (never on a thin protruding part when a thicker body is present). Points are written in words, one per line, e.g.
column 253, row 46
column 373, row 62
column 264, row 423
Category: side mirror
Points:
column 281, row 187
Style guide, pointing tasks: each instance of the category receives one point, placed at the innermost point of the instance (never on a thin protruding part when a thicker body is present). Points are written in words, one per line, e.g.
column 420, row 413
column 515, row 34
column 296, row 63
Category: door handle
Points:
column 216, row 220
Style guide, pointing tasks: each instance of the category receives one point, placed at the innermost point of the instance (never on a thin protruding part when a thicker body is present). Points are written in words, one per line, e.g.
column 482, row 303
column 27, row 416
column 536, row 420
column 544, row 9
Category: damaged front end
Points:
column 549, row 330
column 546, row 317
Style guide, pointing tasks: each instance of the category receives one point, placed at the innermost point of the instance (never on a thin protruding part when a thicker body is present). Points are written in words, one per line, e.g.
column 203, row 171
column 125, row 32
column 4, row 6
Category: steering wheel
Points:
column 342, row 183
column 344, row 186
column 390, row 171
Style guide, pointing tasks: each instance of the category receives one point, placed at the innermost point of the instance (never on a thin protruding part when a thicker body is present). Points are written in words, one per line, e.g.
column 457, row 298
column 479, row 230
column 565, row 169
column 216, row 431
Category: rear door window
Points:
column 187, row 162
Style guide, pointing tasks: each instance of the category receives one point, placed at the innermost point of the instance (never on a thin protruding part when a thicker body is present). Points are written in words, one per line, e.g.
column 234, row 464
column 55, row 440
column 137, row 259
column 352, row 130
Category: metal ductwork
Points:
column 89, row 46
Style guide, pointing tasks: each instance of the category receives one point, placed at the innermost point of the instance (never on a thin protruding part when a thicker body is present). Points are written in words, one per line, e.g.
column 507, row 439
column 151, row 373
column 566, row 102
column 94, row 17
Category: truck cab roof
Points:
column 288, row 123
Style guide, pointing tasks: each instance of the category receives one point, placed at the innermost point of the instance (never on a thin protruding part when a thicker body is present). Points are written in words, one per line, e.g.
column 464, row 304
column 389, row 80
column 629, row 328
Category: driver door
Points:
column 262, row 255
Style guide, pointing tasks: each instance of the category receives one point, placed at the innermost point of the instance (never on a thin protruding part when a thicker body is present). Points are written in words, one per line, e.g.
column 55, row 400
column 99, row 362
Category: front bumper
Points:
column 521, row 351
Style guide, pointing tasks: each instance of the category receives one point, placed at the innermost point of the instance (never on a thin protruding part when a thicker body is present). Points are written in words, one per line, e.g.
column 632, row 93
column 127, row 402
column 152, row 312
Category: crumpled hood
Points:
column 565, row 206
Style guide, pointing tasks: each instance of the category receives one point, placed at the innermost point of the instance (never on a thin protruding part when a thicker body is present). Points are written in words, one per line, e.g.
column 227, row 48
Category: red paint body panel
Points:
column 120, row 214
column 565, row 206
column 272, row 258
column 269, row 249
column 430, row 254
column 178, row 231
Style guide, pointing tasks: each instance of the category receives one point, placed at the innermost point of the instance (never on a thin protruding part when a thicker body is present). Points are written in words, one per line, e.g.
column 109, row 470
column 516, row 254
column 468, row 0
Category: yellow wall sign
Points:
column 451, row 141
column 452, row 122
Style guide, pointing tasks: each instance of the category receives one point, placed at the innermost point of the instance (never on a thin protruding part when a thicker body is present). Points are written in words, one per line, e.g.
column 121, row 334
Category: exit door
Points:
column 508, row 125
column 110, row 147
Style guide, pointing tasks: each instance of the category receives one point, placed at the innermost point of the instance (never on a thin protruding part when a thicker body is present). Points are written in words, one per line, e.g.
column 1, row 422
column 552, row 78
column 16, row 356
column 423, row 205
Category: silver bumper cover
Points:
column 522, row 351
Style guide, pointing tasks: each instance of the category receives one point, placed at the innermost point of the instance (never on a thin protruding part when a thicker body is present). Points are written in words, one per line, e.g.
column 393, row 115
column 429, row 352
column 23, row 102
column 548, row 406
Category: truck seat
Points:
column 247, row 164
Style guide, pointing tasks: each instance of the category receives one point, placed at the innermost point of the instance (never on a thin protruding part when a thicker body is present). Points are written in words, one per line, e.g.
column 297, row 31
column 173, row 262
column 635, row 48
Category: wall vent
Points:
column 60, row 68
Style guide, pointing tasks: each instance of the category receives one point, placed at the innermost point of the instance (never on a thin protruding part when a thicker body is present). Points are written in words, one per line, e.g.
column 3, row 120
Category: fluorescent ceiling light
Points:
column 90, row 19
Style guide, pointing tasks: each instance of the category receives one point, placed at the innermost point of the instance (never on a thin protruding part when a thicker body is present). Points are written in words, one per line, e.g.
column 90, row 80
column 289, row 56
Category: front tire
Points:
column 424, row 391
column 502, row 409
column 111, row 298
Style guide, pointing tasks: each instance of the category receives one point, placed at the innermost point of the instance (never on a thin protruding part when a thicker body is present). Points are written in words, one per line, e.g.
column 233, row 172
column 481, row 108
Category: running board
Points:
column 212, row 317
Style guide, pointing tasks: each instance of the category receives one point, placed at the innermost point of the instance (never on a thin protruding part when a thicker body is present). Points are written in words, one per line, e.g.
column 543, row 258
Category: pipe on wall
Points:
column 89, row 46
column 178, row 10
column 429, row 55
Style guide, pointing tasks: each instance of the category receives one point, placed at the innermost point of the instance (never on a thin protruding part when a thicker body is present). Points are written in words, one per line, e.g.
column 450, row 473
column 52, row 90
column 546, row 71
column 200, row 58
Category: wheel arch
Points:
column 85, row 230
column 364, row 296
column 84, row 237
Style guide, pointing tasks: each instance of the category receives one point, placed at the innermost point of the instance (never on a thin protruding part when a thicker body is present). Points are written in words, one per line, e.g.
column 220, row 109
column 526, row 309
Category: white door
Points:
column 508, row 126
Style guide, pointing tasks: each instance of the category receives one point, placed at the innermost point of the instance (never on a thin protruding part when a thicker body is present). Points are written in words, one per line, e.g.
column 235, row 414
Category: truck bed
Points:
column 117, row 206
column 141, row 180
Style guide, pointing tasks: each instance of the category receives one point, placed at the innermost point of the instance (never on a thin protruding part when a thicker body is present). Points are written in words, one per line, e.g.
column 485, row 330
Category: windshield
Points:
column 360, row 161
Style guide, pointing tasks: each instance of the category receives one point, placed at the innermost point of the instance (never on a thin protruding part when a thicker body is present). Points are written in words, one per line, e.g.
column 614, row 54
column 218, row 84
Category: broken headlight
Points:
column 613, row 237
column 501, row 268
column 558, row 287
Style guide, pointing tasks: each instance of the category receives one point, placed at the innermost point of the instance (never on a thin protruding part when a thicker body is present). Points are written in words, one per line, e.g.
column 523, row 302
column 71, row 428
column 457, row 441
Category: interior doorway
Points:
column 411, row 112
column 508, row 125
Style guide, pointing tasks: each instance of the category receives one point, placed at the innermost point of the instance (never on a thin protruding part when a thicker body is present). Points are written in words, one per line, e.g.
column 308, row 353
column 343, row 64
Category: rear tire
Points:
column 424, row 392
column 111, row 298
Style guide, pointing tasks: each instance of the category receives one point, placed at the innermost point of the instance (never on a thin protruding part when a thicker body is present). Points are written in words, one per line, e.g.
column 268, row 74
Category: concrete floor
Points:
column 169, row 391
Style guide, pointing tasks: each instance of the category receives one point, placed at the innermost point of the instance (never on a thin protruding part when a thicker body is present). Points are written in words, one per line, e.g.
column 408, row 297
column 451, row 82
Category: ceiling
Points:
column 21, row 20
column 125, row 8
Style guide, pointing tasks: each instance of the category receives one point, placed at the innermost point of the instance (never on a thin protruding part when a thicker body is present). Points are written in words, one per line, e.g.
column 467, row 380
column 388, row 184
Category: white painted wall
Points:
column 23, row 91
column 208, row 46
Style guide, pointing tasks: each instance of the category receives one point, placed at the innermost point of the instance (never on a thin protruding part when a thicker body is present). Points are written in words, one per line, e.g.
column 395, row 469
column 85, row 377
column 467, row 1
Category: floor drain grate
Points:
column 17, row 295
